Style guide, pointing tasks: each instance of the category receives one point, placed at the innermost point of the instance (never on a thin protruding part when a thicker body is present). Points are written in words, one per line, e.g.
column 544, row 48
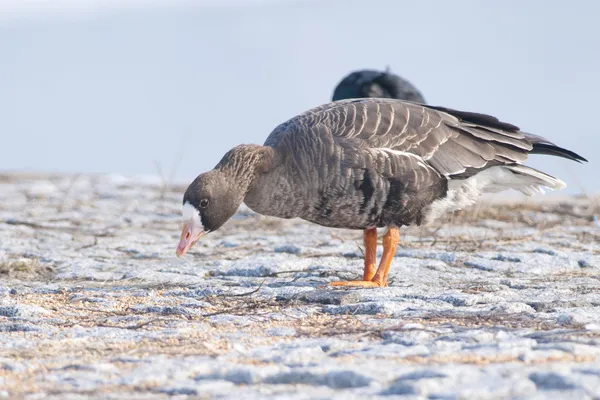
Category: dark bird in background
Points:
column 366, row 164
column 380, row 84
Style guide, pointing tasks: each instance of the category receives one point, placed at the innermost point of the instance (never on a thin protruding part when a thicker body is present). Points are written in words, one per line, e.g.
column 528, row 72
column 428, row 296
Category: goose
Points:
column 380, row 84
column 365, row 164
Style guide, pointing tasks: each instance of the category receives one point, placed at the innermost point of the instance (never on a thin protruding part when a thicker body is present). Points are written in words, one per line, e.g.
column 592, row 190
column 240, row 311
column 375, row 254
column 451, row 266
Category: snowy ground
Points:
column 493, row 303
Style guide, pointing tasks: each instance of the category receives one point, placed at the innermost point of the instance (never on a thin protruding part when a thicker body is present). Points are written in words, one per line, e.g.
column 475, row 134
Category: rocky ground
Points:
column 496, row 302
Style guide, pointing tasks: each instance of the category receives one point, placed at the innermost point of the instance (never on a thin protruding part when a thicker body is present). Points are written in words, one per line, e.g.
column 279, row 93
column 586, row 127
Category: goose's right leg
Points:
column 370, row 240
column 379, row 278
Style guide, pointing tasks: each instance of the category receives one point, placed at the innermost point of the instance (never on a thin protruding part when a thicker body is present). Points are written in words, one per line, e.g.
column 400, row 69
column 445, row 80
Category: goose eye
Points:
column 203, row 203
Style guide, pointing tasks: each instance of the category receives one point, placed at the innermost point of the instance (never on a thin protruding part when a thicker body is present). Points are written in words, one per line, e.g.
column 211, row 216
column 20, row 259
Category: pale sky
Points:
column 46, row 9
column 87, row 86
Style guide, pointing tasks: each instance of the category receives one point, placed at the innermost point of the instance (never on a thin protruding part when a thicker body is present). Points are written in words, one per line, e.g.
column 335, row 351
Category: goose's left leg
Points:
column 390, row 242
column 370, row 239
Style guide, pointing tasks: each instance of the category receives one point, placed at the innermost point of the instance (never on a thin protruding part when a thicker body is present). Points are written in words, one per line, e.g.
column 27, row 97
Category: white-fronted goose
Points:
column 368, row 163
column 380, row 84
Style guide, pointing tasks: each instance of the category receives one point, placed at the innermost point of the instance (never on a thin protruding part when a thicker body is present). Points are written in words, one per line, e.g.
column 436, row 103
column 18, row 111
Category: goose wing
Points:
column 456, row 144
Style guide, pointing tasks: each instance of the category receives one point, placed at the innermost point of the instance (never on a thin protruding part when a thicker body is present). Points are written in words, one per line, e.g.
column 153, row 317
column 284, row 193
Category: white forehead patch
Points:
column 191, row 214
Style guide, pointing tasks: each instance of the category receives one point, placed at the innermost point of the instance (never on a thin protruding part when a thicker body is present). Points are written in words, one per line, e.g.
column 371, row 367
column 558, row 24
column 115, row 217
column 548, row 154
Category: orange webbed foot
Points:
column 364, row 284
column 375, row 278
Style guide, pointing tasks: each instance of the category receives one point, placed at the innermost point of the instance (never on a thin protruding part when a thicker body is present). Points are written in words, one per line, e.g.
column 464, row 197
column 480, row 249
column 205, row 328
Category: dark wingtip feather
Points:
column 541, row 145
column 554, row 150
column 478, row 118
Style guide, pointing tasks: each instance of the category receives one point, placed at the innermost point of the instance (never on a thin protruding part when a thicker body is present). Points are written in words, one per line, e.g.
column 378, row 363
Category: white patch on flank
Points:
column 191, row 214
column 465, row 192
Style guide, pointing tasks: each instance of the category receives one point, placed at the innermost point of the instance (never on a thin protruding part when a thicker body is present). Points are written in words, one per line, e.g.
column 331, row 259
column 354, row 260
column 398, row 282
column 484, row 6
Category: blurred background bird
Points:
column 373, row 83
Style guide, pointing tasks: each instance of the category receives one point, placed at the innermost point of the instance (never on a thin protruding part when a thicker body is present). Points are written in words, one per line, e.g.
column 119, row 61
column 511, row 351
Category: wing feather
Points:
column 453, row 143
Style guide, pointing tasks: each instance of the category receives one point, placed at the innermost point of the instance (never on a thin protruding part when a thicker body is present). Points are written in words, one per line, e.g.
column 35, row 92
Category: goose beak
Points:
column 190, row 234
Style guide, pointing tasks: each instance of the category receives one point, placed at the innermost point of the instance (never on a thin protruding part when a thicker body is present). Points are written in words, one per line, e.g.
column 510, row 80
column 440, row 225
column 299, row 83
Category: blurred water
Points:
column 123, row 91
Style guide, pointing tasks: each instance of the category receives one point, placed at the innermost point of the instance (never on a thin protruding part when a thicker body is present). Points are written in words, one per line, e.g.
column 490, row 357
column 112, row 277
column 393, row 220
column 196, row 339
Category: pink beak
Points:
column 190, row 234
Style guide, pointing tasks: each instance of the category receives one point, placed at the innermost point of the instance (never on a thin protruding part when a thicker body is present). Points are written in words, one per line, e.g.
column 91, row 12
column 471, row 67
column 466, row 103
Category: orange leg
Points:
column 390, row 241
column 370, row 238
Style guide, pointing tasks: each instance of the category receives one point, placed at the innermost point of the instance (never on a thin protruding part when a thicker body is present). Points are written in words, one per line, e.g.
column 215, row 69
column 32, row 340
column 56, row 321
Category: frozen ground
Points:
column 494, row 303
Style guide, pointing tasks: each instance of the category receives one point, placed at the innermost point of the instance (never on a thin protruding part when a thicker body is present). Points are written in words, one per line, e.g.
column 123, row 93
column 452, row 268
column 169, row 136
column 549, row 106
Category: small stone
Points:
column 460, row 300
column 545, row 251
column 281, row 331
column 334, row 379
column 576, row 317
column 9, row 311
column 23, row 311
column 369, row 307
column 400, row 388
column 413, row 326
column 512, row 308
column 17, row 328
column 478, row 265
column 502, row 257
column 165, row 310
column 421, row 374
column 353, row 254
column 542, row 306
column 407, row 338
column 584, row 264
column 289, row 249
column 257, row 271
column 551, row 381
column 237, row 376
column 328, row 296
column 183, row 391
